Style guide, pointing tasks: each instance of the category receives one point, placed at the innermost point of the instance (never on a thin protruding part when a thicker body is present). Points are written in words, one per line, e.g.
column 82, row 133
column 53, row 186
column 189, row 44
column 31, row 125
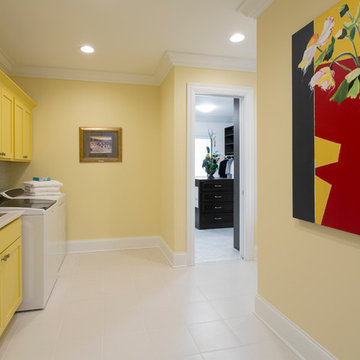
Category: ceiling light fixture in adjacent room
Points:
column 206, row 108
column 87, row 49
column 235, row 38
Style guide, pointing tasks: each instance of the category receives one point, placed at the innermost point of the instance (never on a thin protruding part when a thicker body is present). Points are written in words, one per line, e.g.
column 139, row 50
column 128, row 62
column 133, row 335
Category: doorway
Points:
column 217, row 151
column 244, row 184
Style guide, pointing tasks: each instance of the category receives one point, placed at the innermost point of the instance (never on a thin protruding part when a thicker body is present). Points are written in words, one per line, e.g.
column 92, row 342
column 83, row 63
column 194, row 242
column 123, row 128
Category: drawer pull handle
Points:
column 218, row 218
column 218, row 207
column 5, row 258
column 25, row 156
column 218, row 186
column 218, row 197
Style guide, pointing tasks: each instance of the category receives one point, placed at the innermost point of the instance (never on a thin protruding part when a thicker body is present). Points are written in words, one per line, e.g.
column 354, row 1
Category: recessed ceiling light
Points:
column 206, row 108
column 235, row 38
column 87, row 49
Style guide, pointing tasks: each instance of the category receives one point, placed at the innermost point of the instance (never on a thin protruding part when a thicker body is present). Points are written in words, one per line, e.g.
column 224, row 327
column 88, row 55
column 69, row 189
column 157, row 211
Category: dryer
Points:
column 44, row 244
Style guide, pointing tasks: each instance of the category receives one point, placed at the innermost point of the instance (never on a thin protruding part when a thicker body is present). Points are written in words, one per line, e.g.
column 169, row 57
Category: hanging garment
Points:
column 222, row 168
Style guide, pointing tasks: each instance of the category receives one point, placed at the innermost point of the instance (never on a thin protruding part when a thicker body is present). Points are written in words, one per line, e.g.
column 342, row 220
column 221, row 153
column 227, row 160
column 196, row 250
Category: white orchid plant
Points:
column 325, row 77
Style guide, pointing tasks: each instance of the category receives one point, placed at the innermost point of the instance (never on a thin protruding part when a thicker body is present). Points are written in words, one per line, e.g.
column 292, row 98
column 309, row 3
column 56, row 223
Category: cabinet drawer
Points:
column 217, row 220
column 218, row 197
column 218, row 186
column 217, row 207
column 9, row 233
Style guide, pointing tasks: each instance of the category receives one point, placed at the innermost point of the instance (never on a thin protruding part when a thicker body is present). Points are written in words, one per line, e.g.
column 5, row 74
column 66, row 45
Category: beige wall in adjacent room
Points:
column 183, row 76
column 309, row 272
column 104, row 200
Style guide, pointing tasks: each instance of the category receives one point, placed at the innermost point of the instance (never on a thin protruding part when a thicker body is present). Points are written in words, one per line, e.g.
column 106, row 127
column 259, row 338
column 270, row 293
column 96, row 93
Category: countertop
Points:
column 6, row 217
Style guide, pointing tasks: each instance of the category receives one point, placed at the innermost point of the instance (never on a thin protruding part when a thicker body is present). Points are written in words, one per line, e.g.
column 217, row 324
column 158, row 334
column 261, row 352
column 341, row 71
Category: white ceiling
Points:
column 129, row 36
column 224, row 108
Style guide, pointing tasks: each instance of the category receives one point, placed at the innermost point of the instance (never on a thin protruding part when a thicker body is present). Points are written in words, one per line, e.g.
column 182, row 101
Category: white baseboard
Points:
column 296, row 338
column 176, row 259
column 96, row 245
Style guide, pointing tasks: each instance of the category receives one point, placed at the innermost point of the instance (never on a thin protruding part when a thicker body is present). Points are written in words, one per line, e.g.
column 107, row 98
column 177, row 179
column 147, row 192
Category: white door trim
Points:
column 247, row 163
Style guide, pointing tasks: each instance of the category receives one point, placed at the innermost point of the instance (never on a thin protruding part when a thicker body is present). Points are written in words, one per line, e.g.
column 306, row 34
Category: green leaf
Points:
column 343, row 10
column 208, row 149
column 330, row 50
column 341, row 34
column 352, row 32
column 341, row 93
column 354, row 90
column 320, row 59
column 352, row 75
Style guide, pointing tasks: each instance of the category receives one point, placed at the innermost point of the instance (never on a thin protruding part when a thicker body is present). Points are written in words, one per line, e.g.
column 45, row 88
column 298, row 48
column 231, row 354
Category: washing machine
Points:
column 43, row 243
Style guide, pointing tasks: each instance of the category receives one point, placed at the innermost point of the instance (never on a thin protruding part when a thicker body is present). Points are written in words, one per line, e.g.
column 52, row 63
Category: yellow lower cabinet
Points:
column 10, row 282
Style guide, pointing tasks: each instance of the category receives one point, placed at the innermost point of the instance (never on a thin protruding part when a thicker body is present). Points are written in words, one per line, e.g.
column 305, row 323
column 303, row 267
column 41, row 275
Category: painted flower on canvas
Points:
column 325, row 46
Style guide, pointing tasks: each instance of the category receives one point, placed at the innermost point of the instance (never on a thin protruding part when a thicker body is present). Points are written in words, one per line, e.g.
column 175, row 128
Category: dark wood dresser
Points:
column 214, row 203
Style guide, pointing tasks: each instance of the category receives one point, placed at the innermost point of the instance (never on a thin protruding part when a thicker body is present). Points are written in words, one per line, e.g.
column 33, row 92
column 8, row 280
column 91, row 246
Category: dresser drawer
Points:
column 217, row 220
column 215, row 207
column 218, row 186
column 218, row 197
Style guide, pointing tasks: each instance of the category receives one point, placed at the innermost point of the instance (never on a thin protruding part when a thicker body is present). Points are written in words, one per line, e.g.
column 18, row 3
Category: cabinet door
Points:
column 26, row 140
column 18, row 130
column 11, row 282
column 7, row 125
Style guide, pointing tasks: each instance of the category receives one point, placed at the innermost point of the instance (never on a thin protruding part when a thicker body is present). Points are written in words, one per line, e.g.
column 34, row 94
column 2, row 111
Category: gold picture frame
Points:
column 100, row 144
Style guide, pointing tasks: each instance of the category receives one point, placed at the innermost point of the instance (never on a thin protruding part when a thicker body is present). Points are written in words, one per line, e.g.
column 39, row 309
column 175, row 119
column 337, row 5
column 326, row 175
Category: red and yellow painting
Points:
column 326, row 78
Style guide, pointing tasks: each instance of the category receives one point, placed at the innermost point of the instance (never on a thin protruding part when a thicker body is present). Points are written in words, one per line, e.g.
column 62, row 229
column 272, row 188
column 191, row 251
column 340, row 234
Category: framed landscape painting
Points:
column 326, row 119
column 100, row 144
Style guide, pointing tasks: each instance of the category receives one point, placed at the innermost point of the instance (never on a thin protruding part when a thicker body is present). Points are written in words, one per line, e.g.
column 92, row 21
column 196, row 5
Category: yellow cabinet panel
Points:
column 22, row 131
column 7, row 125
column 11, row 282
column 10, row 271
column 18, row 130
column 26, row 140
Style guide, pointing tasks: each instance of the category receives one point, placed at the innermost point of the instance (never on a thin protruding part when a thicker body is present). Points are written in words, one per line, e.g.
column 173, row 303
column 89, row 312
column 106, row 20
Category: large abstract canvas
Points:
column 326, row 119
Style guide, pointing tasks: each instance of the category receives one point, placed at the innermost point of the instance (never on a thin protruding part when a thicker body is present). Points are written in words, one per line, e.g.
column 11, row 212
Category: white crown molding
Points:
column 296, row 338
column 84, row 75
column 212, row 62
column 253, row 8
column 6, row 64
column 167, row 62
column 164, row 67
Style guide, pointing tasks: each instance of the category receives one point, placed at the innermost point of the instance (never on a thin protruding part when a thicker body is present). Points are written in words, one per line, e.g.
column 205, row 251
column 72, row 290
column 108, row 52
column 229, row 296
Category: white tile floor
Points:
column 215, row 244
column 131, row 305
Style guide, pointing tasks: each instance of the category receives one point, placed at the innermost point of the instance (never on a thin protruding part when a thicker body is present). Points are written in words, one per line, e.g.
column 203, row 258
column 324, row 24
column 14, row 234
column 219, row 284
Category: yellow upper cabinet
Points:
column 22, row 132
column 7, row 125
column 15, row 122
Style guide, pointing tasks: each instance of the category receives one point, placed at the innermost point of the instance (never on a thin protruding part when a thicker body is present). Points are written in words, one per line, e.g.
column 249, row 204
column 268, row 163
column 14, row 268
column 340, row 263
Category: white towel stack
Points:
column 36, row 188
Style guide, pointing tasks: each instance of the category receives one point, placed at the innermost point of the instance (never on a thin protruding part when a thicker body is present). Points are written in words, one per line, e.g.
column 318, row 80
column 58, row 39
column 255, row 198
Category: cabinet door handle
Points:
column 5, row 258
column 217, row 218
column 25, row 156
column 218, row 186
column 218, row 207
column 218, row 197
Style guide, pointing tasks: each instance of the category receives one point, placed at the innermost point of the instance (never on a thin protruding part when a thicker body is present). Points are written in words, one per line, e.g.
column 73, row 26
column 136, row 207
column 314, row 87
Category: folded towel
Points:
column 42, row 189
column 41, row 184
column 34, row 193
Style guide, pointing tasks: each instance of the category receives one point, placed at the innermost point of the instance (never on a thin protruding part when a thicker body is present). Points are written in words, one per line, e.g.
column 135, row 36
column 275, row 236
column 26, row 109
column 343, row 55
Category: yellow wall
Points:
column 167, row 158
column 183, row 76
column 107, row 200
column 309, row 272
column 3, row 176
